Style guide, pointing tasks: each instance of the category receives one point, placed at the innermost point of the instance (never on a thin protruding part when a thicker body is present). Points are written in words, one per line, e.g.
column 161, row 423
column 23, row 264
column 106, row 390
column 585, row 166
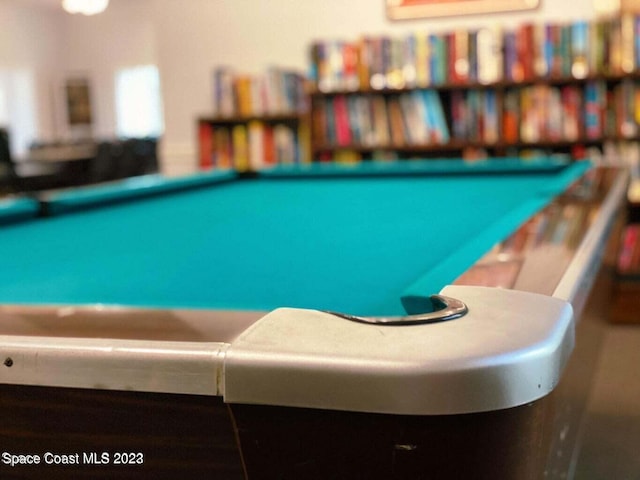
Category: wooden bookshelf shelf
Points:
column 499, row 85
column 458, row 146
column 281, row 118
column 408, row 149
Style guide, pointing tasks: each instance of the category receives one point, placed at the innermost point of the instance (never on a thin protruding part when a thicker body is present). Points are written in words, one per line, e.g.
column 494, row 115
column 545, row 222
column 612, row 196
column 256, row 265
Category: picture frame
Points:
column 78, row 99
column 409, row 9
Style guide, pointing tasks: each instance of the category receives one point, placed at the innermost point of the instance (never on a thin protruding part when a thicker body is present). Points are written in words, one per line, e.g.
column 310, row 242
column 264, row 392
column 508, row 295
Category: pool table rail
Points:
column 205, row 436
column 201, row 338
column 313, row 359
column 567, row 237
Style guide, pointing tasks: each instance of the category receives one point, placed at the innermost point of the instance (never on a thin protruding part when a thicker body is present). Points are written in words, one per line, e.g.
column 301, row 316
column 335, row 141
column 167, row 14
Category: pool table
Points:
column 385, row 320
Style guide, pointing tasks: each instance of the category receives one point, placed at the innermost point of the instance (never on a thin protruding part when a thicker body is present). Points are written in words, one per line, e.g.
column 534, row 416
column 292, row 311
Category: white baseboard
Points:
column 177, row 159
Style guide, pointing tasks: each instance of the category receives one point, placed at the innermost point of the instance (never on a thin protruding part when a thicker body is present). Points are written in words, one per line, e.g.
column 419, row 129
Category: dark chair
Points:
column 127, row 161
column 103, row 167
column 123, row 159
column 7, row 171
column 147, row 152
column 13, row 181
column 137, row 157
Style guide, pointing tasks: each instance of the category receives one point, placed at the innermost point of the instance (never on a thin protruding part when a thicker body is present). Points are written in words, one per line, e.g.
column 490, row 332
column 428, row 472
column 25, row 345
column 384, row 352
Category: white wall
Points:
column 96, row 47
column 188, row 38
column 30, row 47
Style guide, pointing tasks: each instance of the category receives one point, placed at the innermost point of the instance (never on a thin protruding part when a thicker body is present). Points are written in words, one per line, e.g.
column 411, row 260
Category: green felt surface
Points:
column 348, row 243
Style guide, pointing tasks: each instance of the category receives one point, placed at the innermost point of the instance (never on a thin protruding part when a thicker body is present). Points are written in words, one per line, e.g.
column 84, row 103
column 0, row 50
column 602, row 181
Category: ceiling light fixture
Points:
column 86, row 7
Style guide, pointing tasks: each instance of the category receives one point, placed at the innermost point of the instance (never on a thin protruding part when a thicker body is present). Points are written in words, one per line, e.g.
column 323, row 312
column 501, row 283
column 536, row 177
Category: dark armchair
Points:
column 13, row 181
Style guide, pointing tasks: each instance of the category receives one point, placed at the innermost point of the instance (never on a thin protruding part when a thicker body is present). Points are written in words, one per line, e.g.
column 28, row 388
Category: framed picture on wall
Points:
column 78, row 96
column 405, row 9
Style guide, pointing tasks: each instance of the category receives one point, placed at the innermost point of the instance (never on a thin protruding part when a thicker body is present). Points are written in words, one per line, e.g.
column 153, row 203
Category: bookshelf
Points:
column 259, row 121
column 535, row 89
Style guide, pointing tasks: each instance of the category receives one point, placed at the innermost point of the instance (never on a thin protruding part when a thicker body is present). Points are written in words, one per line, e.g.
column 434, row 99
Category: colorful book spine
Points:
column 627, row 43
column 592, row 109
column 490, row 43
column 434, row 107
column 206, row 145
column 342, row 121
column 423, row 64
column 491, row 116
column 240, row 148
column 256, row 145
column 513, row 70
column 579, row 49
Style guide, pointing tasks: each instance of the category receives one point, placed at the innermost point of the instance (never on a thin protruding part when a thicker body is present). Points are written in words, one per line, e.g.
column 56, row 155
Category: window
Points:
column 17, row 108
column 138, row 102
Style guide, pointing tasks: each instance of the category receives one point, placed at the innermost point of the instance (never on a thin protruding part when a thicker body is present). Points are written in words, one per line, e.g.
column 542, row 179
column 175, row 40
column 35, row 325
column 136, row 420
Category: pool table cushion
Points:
column 13, row 209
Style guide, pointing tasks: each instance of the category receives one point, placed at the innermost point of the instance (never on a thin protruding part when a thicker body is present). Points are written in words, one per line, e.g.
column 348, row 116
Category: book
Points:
column 491, row 117
column 414, row 114
column 342, row 120
column 395, row 64
column 511, row 116
column 224, row 95
column 440, row 131
column 224, row 149
column 579, row 49
column 303, row 154
column 240, row 148
column 513, row 67
column 490, row 55
column 525, row 51
column 410, row 61
column 627, row 43
column 593, row 98
column 381, row 122
column 350, row 63
column 571, row 99
column 438, row 59
column 242, row 85
column 256, row 146
column 206, row 145
column 396, row 122
column 460, row 56
column 422, row 59
column 283, row 145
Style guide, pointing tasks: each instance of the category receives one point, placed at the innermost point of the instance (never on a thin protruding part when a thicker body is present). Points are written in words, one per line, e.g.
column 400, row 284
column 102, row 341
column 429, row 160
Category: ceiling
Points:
column 41, row 3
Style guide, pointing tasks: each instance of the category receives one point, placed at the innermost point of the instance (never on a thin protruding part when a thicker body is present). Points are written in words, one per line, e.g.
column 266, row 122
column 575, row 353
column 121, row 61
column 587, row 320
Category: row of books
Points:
column 530, row 114
column 252, row 146
column 571, row 112
column 485, row 55
column 276, row 92
column 475, row 116
column 542, row 113
column 412, row 118
column 416, row 60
